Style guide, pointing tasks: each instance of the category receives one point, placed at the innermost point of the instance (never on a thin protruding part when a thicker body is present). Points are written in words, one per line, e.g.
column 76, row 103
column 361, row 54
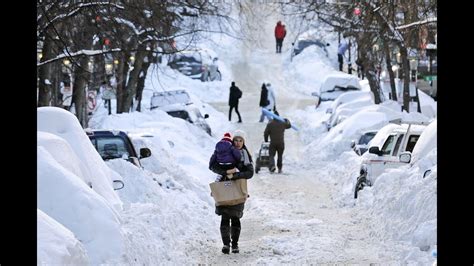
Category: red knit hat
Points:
column 227, row 136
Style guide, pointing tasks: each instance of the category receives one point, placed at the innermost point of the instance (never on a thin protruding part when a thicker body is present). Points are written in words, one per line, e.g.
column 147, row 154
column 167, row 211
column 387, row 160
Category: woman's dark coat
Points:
column 246, row 171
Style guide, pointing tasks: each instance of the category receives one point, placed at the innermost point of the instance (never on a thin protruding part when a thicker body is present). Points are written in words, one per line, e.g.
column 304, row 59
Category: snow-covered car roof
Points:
column 203, row 55
column 390, row 128
column 312, row 34
column 351, row 96
column 339, row 79
column 165, row 98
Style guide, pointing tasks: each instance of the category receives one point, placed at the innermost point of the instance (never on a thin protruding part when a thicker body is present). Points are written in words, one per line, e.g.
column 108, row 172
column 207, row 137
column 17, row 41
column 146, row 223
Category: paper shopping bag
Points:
column 230, row 192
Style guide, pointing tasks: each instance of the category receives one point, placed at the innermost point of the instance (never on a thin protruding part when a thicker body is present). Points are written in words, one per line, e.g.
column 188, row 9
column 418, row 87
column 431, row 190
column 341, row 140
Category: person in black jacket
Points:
column 230, row 223
column 264, row 102
column 276, row 131
column 234, row 96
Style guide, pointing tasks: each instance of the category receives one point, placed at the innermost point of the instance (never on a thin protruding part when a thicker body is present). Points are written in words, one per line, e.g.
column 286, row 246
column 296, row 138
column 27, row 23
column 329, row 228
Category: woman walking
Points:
column 230, row 221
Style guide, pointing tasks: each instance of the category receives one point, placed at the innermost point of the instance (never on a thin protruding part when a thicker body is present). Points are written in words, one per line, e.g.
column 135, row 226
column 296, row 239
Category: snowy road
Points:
column 289, row 217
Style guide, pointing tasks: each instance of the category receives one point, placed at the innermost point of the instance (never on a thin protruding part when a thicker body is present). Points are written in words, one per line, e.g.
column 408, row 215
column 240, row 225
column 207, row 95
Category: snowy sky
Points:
column 165, row 214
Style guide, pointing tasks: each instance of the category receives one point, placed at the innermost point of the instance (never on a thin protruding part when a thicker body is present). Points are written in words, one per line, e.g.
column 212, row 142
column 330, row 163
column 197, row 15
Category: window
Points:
column 388, row 145
column 111, row 148
column 397, row 145
column 412, row 142
column 180, row 114
column 366, row 138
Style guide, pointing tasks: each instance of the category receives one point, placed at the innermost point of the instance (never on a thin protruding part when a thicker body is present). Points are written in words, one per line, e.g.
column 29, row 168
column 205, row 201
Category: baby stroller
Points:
column 263, row 157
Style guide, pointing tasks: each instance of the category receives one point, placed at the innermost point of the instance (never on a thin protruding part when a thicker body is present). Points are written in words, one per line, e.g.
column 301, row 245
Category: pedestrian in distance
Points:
column 276, row 131
column 271, row 99
column 280, row 33
column 234, row 96
column 230, row 226
column 264, row 102
column 341, row 50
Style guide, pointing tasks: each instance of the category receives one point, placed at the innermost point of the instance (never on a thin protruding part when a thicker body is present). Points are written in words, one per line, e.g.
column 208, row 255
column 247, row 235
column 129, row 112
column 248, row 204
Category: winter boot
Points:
column 235, row 233
column 225, row 234
column 272, row 169
column 235, row 249
column 226, row 249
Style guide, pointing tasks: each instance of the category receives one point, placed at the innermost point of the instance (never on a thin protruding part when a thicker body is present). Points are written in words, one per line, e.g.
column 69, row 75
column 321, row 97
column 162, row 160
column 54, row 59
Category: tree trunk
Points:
column 369, row 69
column 406, row 78
column 141, row 79
column 133, row 77
column 390, row 71
column 81, row 77
column 44, row 73
column 121, row 74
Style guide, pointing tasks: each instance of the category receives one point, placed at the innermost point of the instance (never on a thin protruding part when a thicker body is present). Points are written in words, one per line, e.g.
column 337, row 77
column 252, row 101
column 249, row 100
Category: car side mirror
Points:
column 375, row 150
column 353, row 143
column 118, row 184
column 405, row 157
column 206, row 116
column 145, row 152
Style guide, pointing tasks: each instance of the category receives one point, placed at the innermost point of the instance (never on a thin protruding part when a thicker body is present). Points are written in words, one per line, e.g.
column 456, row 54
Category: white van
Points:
column 389, row 142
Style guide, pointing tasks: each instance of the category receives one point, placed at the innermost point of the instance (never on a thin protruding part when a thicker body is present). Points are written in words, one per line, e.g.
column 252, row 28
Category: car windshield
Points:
column 305, row 43
column 110, row 147
column 364, row 139
column 188, row 57
column 180, row 114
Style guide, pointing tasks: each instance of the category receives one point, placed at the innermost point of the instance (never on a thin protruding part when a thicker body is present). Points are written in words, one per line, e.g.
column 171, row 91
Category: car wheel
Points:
column 360, row 184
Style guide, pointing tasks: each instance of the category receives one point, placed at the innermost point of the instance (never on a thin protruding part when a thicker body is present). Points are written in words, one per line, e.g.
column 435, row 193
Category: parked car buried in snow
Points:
column 336, row 84
column 177, row 103
column 113, row 144
column 391, row 141
column 361, row 145
column 307, row 39
column 197, row 64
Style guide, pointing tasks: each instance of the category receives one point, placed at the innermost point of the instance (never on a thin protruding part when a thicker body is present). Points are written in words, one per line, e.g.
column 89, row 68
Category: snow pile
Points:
column 67, row 199
column 405, row 203
column 56, row 244
column 64, row 124
column 162, row 200
column 160, row 213
column 305, row 71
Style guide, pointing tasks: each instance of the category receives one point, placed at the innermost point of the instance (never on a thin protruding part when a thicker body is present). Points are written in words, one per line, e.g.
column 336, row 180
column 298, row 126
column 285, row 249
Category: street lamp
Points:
column 108, row 68
column 375, row 48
